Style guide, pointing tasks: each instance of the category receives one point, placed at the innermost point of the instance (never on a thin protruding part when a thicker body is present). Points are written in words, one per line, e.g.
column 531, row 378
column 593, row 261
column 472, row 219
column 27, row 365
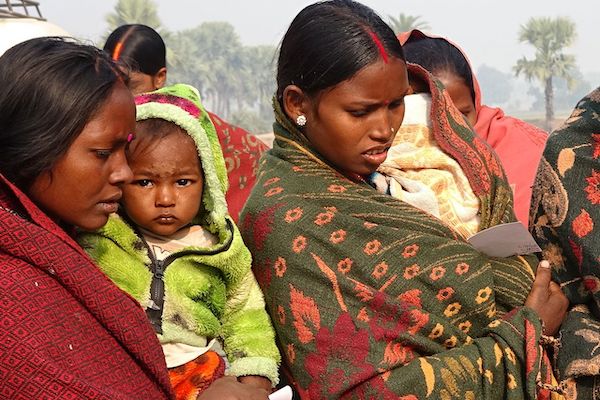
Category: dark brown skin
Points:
column 228, row 388
column 256, row 381
column 547, row 299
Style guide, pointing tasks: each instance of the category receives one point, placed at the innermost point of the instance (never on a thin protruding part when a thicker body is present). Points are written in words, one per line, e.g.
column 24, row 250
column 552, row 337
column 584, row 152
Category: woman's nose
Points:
column 121, row 173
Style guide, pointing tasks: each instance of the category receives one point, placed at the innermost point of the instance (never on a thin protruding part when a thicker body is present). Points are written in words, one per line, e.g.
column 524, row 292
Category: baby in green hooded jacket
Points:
column 174, row 248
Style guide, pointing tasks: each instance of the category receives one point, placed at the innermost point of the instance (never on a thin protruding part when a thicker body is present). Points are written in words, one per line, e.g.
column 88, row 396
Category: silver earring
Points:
column 301, row 120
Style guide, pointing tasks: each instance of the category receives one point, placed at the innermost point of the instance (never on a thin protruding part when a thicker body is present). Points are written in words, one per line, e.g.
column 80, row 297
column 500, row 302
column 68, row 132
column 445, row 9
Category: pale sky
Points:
column 486, row 29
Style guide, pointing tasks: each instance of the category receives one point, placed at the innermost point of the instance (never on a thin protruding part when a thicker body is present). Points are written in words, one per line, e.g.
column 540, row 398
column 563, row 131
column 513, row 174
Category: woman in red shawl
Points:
column 519, row 145
column 66, row 117
column 143, row 50
column 66, row 331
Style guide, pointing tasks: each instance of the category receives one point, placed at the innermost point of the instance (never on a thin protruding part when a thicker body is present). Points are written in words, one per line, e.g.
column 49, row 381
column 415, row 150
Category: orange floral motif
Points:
column 380, row 270
column 465, row 326
column 372, row 247
column 338, row 236
column 583, row 224
column 437, row 331
column 291, row 353
column 344, row 265
column 280, row 266
column 412, row 297
column 293, row 215
column 336, row 189
column 271, row 181
column 363, row 315
column 450, row 342
column 324, row 218
column 437, row 273
column 483, row 295
column 411, row 272
column 445, row 293
column 296, row 168
column 331, row 209
column 593, row 187
column 274, row 191
column 307, row 319
column 281, row 314
column 452, row 309
column 299, row 244
column 462, row 268
column 410, row 251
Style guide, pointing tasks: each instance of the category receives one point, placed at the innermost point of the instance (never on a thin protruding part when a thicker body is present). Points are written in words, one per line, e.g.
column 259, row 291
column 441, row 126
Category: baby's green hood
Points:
column 181, row 105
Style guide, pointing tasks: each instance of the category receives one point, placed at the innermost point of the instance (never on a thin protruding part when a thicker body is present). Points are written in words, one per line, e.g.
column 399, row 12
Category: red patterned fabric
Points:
column 66, row 331
column 241, row 151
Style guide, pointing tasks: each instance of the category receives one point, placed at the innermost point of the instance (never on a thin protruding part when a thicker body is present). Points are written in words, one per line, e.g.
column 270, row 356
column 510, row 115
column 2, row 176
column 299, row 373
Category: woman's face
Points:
column 460, row 94
column 353, row 124
column 84, row 185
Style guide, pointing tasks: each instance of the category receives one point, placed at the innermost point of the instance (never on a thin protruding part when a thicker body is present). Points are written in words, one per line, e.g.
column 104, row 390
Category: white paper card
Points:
column 285, row 393
column 504, row 240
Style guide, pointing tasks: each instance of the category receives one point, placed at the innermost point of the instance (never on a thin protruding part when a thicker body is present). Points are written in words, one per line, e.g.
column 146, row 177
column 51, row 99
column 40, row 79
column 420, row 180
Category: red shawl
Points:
column 519, row 145
column 241, row 151
column 66, row 331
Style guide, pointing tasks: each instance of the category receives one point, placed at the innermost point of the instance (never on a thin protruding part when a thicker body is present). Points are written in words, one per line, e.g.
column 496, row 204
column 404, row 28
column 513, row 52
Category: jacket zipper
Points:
column 158, row 267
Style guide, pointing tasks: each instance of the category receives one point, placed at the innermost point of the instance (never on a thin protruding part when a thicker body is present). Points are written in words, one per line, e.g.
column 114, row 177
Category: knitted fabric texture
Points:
column 209, row 292
column 67, row 331
column 373, row 298
column 565, row 215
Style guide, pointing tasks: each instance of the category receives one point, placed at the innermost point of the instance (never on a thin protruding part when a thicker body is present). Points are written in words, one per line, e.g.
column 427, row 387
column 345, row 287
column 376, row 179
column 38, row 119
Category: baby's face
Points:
column 166, row 191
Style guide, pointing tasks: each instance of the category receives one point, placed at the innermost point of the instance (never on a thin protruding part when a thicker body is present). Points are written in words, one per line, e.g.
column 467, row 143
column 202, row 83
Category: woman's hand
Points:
column 547, row 299
column 228, row 388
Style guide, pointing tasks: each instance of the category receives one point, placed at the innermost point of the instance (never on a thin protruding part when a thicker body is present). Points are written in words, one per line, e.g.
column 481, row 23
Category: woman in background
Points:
column 519, row 145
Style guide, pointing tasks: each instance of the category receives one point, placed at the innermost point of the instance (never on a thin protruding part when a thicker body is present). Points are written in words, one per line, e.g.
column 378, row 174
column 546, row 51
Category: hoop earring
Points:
column 301, row 120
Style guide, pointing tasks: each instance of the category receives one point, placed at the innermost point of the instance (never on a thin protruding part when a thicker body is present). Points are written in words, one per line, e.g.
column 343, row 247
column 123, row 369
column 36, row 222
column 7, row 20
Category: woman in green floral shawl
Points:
column 371, row 297
column 564, row 217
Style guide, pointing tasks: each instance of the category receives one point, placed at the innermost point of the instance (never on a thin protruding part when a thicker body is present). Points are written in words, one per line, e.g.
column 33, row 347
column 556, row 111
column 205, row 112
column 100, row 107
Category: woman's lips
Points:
column 376, row 156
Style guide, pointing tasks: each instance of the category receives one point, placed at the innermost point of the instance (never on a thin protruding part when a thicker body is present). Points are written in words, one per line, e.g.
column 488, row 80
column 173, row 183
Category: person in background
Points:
column 565, row 218
column 66, row 119
column 519, row 145
column 142, row 50
column 175, row 249
column 370, row 296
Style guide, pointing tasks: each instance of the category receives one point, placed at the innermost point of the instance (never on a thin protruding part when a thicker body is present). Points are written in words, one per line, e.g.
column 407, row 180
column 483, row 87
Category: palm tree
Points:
column 549, row 37
column 405, row 23
column 134, row 12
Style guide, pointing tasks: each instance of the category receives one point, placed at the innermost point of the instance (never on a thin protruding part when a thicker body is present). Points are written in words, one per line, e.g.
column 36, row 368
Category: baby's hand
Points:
column 257, row 381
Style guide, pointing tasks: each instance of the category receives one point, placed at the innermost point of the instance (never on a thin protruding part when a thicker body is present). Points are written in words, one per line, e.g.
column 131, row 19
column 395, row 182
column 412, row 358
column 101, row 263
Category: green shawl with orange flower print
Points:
column 565, row 215
column 374, row 298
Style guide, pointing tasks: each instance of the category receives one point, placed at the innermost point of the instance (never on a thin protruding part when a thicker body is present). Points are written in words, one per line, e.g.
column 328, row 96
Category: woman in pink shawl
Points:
column 518, row 144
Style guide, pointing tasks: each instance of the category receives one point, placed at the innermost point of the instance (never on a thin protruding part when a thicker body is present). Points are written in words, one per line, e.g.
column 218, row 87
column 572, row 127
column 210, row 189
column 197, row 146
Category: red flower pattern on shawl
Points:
column 340, row 357
column 593, row 187
column 583, row 224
